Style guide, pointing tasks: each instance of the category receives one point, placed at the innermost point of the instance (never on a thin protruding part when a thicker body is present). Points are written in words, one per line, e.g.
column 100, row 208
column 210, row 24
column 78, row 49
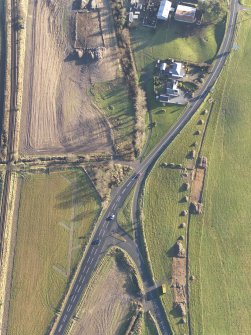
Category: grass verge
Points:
column 125, row 215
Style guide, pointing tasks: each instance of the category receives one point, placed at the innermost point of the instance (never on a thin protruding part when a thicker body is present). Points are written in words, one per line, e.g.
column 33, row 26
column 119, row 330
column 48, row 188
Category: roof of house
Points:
column 176, row 70
column 163, row 98
column 164, row 10
column 185, row 14
column 172, row 89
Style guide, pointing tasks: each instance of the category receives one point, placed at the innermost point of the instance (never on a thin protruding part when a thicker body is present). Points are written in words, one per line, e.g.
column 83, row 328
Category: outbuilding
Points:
column 185, row 14
column 164, row 10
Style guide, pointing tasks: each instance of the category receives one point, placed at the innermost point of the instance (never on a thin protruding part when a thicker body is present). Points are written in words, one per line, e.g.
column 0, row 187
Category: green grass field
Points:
column 170, row 41
column 113, row 98
column 219, row 258
column 163, row 204
column 55, row 216
column 245, row 3
column 162, row 210
column 219, row 249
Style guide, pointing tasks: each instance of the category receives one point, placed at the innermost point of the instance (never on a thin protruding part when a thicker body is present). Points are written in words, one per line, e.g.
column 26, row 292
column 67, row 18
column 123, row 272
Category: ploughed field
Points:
column 58, row 114
column 55, row 214
column 109, row 301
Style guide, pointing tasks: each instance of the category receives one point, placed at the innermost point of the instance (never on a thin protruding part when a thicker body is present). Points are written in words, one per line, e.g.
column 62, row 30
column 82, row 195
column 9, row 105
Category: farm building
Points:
column 176, row 70
column 163, row 67
column 164, row 10
column 185, row 14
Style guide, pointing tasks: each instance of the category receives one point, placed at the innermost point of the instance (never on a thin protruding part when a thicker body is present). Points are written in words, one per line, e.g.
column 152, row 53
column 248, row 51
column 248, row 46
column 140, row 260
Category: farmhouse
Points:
column 176, row 70
column 164, row 10
column 185, row 14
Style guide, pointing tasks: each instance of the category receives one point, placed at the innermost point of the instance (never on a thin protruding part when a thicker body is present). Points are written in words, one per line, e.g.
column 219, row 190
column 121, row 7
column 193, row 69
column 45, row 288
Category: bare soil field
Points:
column 106, row 307
column 58, row 114
column 88, row 33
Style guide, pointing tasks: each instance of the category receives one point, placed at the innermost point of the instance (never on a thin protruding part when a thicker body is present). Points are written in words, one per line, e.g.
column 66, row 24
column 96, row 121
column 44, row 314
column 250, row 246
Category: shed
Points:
column 164, row 9
column 163, row 66
column 185, row 14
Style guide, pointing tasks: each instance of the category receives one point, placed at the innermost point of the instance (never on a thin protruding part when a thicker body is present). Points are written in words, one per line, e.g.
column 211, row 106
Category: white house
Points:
column 177, row 70
column 164, row 9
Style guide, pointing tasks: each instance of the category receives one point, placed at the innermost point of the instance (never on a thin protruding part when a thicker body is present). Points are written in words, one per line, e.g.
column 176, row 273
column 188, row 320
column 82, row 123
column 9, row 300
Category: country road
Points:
column 105, row 228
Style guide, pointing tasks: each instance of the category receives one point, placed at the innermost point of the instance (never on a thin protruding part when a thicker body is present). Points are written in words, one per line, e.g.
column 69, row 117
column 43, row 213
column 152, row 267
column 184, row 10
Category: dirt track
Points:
column 57, row 113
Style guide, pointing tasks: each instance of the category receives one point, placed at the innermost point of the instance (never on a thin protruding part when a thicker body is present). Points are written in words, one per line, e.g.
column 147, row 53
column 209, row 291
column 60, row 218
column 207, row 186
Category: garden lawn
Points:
column 55, row 217
column 174, row 40
column 220, row 249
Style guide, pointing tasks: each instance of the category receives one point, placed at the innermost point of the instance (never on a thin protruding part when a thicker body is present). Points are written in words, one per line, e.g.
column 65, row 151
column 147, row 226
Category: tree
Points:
column 213, row 10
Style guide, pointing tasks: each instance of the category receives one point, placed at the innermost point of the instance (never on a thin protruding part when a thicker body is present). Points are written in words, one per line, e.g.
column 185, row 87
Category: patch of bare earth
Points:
column 179, row 280
column 106, row 305
column 197, row 185
column 58, row 114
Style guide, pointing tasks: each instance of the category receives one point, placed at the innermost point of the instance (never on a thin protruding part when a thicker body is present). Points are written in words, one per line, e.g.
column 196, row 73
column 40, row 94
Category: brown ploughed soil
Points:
column 58, row 114
column 179, row 279
column 106, row 305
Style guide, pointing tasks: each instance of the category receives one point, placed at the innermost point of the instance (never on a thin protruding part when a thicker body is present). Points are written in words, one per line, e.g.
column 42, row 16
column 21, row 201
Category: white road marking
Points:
column 69, row 307
column 64, row 318
column 74, row 298
column 60, row 328
column 95, row 252
column 79, row 289
column 103, row 234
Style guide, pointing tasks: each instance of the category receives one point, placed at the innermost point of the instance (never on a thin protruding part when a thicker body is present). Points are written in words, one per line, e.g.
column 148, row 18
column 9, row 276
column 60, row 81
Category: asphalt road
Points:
column 106, row 228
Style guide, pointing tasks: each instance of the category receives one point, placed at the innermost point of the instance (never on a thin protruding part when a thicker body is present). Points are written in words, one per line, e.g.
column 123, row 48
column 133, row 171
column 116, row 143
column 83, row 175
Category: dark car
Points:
column 110, row 218
column 95, row 242
column 136, row 176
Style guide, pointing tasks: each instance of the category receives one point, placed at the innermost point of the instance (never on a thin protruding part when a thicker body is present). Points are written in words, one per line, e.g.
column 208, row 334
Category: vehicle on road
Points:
column 95, row 242
column 136, row 176
column 110, row 217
